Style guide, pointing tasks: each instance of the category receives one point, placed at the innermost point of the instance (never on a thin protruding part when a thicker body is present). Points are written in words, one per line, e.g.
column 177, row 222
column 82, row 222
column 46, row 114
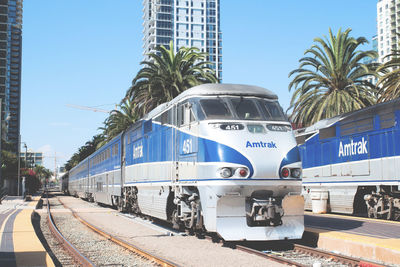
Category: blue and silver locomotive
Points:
column 219, row 157
column 354, row 159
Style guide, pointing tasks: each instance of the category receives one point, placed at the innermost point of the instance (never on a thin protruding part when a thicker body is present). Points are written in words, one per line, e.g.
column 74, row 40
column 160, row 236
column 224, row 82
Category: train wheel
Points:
column 176, row 222
column 371, row 212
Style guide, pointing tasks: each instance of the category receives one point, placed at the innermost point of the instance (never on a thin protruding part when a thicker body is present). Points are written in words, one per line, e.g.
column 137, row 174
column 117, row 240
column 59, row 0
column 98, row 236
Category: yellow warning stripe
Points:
column 28, row 249
column 389, row 243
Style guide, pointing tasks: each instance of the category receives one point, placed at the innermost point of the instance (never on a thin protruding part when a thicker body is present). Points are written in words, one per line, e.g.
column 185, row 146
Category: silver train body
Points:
column 219, row 157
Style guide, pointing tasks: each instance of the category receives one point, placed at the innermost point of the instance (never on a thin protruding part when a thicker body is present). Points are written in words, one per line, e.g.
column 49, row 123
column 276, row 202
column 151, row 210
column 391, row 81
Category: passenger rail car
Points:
column 354, row 159
column 64, row 183
column 219, row 157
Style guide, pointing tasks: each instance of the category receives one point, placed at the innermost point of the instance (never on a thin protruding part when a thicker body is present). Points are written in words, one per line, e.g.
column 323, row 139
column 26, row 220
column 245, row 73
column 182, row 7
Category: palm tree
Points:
column 389, row 82
column 167, row 75
column 332, row 80
column 119, row 120
column 42, row 173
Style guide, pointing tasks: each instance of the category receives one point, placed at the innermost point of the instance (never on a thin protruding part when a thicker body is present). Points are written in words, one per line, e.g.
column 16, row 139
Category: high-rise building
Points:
column 388, row 26
column 10, row 68
column 32, row 158
column 371, row 78
column 188, row 23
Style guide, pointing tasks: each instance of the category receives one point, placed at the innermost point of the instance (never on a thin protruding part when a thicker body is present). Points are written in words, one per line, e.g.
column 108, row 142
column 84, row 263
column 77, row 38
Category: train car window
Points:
column 181, row 120
column 192, row 118
column 245, row 109
column 301, row 139
column 157, row 119
column 351, row 126
column 272, row 111
column 387, row 120
column 185, row 114
column 115, row 150
column 327, row 132
column 164, row 117
column 215, row 108
column 172, row 116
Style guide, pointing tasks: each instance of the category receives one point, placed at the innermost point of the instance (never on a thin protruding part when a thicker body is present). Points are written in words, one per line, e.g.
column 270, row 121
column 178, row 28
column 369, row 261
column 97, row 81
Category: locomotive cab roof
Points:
column 210, row 89
column 381, row 108
column 215, row 89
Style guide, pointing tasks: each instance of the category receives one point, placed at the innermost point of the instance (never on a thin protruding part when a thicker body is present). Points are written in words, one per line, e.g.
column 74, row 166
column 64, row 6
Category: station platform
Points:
column 372, row 239
column 19, row 244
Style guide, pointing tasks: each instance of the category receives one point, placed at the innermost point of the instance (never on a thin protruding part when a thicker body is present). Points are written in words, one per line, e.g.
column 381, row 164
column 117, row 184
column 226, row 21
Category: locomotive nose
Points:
column 273, row 159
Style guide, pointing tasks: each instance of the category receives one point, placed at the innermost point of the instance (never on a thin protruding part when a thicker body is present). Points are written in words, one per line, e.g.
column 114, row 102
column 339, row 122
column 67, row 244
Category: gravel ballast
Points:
column 182, row 250
column 101, row 251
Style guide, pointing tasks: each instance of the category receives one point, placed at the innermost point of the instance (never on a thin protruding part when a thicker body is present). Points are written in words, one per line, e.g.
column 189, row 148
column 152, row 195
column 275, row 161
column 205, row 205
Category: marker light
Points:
column 243, row 172
column 285, row 172
column 225, row 172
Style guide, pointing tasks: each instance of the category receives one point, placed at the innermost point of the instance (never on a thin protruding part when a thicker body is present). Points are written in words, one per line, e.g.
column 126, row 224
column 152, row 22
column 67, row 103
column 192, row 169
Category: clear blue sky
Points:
column 87, row 53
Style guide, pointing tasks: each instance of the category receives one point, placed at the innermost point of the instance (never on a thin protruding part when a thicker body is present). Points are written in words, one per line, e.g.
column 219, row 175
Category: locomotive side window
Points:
column 215, row 108
column 326, row 133
column 359, row 125
column 245, row 109
column 185, row 114
column 387, row 120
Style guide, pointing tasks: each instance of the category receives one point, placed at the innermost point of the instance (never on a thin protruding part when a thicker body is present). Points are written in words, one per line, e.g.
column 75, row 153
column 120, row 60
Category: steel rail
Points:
column 73, row 251
column 305, row 251
column 139, row 251
column 336, row 257
column 270, row 257
column 313, row 252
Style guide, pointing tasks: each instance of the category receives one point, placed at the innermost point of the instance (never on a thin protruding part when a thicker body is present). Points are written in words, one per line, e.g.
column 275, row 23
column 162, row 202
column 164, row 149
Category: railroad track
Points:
column 293, row 254
column 68, row 246
column 303, row 256
column 83, row 260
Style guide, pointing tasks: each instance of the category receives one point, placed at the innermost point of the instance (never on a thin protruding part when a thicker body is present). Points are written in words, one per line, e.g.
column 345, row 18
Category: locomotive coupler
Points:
column 264, row 212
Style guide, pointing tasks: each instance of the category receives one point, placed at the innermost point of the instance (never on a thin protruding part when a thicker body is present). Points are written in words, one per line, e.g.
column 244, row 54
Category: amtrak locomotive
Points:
column 354, row 159
column 219, row 157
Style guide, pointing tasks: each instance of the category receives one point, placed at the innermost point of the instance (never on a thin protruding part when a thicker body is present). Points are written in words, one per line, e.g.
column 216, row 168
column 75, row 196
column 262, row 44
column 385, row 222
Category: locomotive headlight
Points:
column 285, row 172
column 295, row 173
column 225, row 172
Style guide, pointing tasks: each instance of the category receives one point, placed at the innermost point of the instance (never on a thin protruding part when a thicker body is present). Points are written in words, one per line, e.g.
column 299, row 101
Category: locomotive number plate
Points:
column 278, row 128
column 232, row 127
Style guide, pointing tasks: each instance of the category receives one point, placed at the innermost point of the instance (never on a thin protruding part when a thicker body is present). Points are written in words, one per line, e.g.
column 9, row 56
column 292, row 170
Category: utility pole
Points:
column 19, row 164
column 26, row 155
column 55, row 165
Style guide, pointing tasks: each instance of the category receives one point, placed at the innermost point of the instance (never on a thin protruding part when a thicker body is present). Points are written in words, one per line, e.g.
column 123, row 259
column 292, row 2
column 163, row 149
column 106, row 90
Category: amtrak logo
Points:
column 261, row 144
column 353, row 148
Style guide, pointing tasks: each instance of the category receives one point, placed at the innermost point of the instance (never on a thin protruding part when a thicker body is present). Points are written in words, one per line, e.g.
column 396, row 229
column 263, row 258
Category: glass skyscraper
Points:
column 188, row 23
column 388, row 27
column 10, row 68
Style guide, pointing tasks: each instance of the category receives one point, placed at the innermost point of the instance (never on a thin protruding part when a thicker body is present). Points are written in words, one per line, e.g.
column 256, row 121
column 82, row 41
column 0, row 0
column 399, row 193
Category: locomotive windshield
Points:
column 216, row 108
column 245, row 109
column 240, row 108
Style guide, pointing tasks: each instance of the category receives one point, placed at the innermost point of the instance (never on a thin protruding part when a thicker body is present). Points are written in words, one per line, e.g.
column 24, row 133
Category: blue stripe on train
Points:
column 158, row 146
column 369, row 145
